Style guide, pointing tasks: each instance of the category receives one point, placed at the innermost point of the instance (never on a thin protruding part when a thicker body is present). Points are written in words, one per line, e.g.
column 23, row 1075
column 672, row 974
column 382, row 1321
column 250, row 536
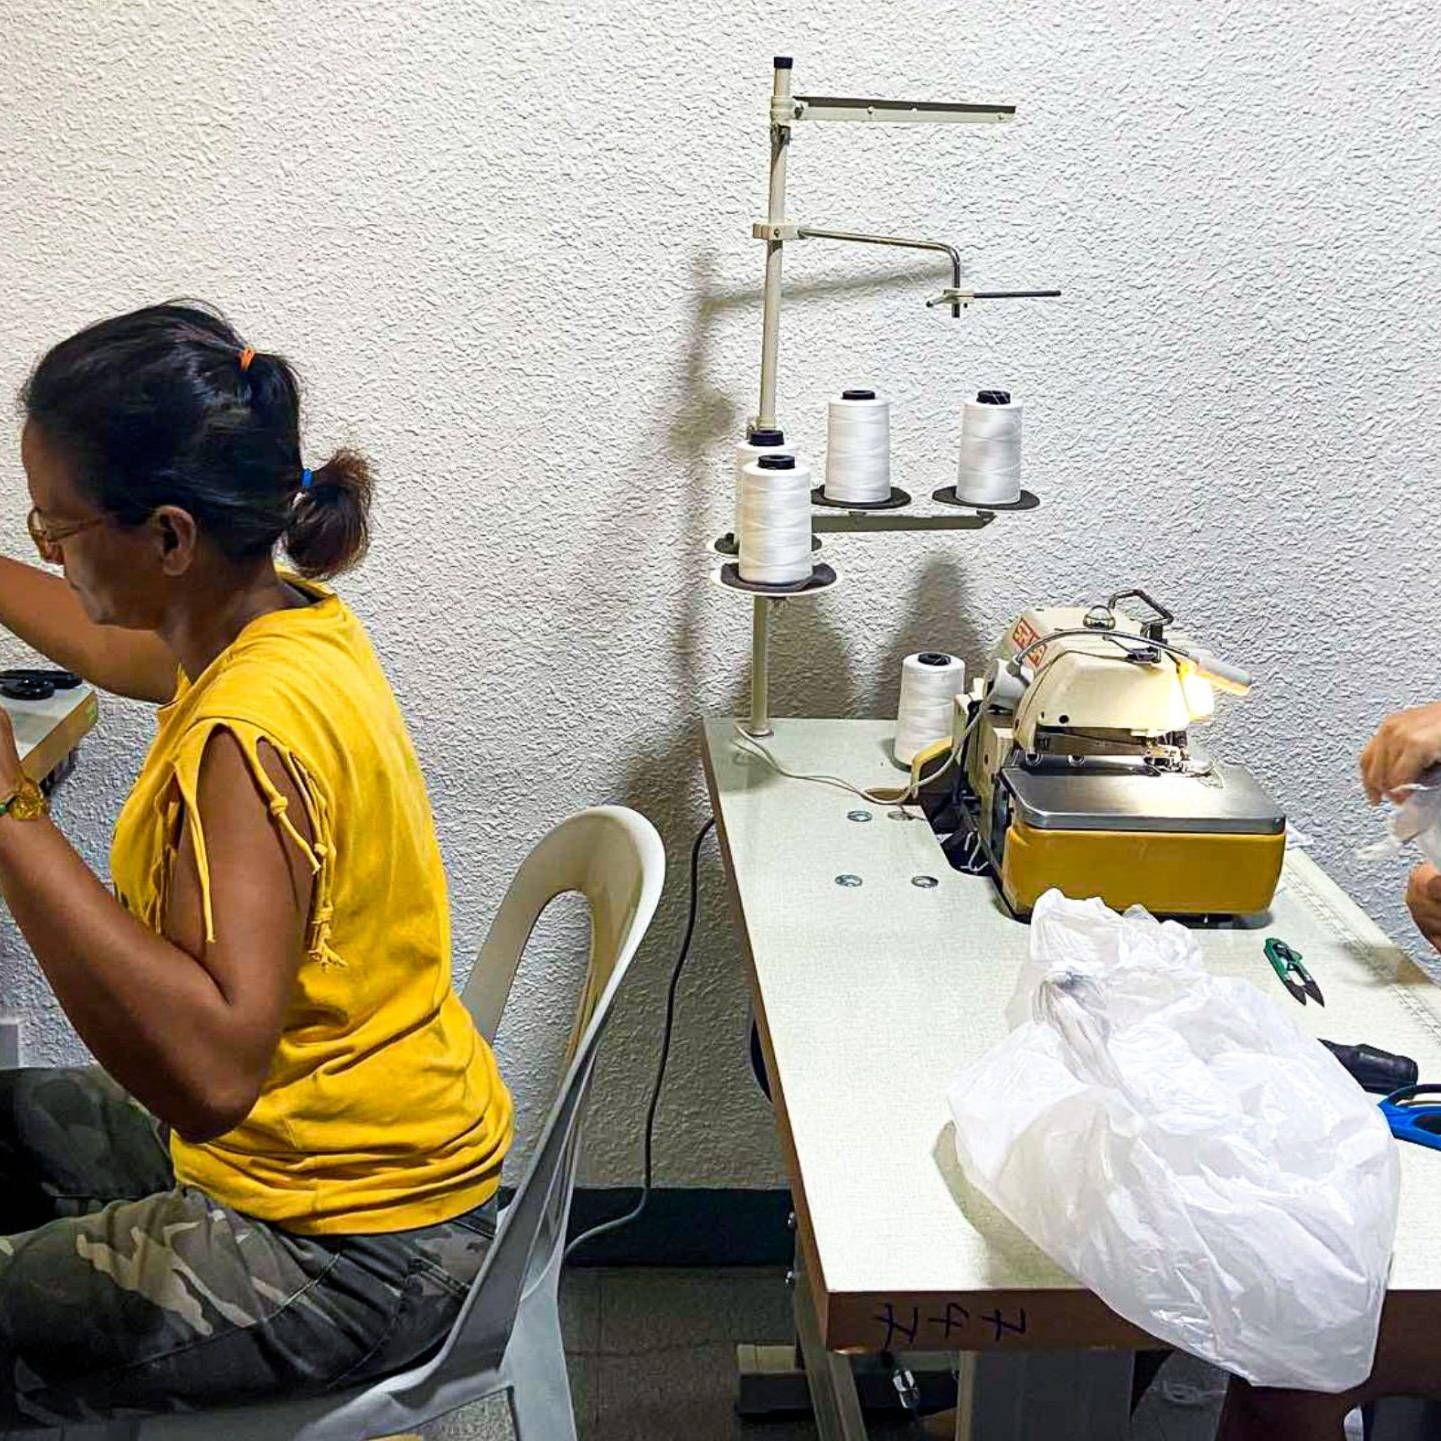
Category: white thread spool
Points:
column 858, row 447
column 930, row 682
column 775, row 520
column 758, row 443
column 990, row 472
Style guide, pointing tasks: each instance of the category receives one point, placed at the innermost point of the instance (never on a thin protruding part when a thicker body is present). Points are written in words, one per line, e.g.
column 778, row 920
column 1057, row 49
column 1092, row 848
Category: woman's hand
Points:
column 11, row 773
column 1423, row 900
column 1404, row 748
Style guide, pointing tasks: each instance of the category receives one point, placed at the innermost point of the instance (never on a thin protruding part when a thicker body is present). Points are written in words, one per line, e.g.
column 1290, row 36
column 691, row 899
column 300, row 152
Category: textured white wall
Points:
column 509, row 247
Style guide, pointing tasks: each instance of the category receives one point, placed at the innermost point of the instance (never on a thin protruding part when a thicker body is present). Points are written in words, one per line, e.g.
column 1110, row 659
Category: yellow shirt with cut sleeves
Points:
column 383, row 1109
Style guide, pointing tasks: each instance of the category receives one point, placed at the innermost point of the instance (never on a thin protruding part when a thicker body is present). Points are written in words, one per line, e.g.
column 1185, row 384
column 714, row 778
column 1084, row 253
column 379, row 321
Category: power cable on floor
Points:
column 606, row 1227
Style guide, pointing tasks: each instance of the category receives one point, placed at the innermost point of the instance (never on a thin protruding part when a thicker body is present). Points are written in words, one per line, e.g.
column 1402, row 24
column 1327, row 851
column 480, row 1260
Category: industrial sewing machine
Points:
column 1077, row 768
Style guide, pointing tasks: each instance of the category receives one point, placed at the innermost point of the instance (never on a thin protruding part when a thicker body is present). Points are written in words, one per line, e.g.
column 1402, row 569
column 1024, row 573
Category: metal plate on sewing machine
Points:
column 1229, row 801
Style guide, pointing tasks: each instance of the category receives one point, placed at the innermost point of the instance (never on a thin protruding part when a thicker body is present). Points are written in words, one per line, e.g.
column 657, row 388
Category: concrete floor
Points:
column 652, row 1358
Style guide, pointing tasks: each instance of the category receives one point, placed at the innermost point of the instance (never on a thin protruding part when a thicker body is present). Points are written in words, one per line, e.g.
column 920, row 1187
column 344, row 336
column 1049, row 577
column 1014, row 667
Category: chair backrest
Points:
column 615, row 859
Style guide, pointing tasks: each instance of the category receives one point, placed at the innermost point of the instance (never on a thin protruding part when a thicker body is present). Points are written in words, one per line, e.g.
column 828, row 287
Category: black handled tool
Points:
column 1373, row 1069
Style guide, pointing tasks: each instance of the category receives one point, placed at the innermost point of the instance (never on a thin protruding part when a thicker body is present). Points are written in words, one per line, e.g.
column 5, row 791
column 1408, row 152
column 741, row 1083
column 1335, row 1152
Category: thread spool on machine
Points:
column 930, row 682
column 858, row 466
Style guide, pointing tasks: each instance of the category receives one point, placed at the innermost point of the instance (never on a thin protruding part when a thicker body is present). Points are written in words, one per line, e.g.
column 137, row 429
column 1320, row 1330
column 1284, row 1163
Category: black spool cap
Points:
column 933, row 657
column 993, row 397
column 858, row 395
column 784, row 62
column 767, row 437
column 776, row 462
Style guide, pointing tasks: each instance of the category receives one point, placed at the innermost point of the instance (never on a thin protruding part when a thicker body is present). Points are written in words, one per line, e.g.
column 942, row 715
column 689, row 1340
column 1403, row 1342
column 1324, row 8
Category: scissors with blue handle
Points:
column 1408, row 1122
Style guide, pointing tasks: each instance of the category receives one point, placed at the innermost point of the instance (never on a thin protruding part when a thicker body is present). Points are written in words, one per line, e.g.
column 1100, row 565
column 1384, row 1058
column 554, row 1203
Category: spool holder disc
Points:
column 894, row 501
column 822, row 577
column 947, row 496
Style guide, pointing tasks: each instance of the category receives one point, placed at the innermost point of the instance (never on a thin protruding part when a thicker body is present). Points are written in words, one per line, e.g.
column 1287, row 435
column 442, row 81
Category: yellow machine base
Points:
column 1171, row 873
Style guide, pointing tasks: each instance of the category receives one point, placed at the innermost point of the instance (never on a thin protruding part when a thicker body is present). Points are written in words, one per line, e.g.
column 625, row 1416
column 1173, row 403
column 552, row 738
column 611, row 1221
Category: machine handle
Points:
column 1220, row 673
column 1154, row 628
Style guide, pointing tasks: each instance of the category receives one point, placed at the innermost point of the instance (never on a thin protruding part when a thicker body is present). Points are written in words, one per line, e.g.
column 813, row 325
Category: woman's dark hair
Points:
column 168, row 406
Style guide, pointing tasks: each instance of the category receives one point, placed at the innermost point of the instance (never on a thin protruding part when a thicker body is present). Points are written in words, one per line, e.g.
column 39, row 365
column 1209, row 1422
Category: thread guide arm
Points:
column 788, row 109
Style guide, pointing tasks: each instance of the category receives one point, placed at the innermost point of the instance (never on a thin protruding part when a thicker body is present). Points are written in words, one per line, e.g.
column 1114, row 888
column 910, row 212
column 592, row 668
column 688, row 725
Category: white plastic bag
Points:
column 1416, row 821
column 1177, row 1143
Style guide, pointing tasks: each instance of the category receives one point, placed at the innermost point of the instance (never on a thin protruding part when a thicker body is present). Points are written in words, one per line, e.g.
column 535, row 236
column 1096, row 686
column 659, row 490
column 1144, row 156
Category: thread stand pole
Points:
column 775, row 214
column 770, row 349
column 760, row 668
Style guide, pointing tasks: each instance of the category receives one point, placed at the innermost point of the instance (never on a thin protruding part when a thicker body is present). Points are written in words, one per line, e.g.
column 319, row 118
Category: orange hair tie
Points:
column 246, row 356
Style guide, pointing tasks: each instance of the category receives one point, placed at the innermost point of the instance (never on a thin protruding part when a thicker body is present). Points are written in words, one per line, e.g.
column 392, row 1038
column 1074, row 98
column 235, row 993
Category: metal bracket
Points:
column 852, row 522
column 786, row 110
column 955, row 297
column 765, row 230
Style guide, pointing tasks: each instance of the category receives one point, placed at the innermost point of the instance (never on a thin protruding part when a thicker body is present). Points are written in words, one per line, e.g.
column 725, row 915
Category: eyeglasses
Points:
column 47, row 538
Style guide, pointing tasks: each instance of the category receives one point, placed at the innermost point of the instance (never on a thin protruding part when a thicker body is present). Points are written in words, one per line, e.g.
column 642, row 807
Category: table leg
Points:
column 1044, row 1396
column 834, row 1399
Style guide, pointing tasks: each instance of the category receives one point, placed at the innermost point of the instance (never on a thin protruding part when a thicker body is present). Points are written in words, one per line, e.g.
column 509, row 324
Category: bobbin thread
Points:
column 756, row 444
column 990, row 462
column 774, row 534
column 930, row 683
column 858, row 447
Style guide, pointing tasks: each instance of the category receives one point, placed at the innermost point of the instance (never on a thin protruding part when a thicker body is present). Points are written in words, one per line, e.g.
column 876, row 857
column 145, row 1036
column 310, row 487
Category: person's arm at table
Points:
column 187, row 1025
column 46, row 614
column 1423, row 900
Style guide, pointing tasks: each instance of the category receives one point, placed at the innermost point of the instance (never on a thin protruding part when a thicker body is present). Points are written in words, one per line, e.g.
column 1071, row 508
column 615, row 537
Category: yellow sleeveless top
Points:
column 383, row 1109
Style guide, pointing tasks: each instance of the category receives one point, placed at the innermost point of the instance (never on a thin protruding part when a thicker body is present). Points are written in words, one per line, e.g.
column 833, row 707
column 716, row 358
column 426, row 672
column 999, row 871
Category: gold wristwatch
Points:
column 25, row 802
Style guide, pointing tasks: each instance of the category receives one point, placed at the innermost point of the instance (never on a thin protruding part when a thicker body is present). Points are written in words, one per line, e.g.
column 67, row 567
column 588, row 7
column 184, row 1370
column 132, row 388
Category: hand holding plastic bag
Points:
column 1416, row 821
column 1177, row 1143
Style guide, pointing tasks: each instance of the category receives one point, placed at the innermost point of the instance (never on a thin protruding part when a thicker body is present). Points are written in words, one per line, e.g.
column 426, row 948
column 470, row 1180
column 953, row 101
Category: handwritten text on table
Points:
column 909, row 1327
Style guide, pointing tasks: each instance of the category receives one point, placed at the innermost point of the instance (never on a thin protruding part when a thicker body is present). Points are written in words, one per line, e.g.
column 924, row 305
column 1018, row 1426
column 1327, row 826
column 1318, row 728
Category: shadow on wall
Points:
column 815, row 671
column 707, row 424
column 813, row 657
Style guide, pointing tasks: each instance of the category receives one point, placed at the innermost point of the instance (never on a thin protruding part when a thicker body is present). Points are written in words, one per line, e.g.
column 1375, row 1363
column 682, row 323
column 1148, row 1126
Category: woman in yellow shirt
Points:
column 281, row 1177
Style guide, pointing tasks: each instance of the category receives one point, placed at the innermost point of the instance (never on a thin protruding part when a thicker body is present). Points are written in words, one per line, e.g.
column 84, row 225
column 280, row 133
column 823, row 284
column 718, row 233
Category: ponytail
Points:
column 329, row 527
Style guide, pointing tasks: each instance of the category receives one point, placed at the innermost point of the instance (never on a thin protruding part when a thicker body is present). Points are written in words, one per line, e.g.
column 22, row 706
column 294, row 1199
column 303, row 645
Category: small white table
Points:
column 47, row 731
column 869, row 998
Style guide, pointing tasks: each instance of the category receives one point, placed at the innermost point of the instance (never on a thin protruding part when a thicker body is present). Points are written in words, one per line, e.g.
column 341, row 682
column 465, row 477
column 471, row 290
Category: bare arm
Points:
column 188, row 1028
column 1423, row 899
column 46, row 614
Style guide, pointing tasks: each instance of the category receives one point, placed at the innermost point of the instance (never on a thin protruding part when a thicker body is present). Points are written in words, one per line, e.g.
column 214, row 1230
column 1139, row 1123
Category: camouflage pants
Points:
column 121, row 1292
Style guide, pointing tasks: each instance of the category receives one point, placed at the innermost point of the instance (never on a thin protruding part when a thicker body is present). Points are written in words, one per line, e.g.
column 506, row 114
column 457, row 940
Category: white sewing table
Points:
column 869, row 998
column 47, row 731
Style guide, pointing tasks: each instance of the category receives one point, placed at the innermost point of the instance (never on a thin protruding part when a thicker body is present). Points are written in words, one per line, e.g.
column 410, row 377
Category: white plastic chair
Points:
column 507, row 1337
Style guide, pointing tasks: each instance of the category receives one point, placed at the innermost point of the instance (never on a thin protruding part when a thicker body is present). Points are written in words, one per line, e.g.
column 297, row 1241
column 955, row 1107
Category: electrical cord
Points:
column 879, row 797
column 606, row 1227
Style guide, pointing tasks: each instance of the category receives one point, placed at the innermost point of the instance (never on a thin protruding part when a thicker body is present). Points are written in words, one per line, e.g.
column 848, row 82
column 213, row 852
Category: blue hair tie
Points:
column 305, row 479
